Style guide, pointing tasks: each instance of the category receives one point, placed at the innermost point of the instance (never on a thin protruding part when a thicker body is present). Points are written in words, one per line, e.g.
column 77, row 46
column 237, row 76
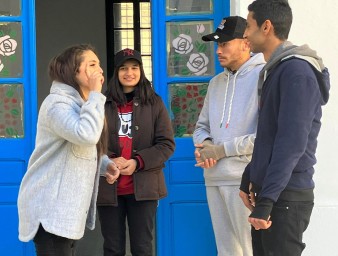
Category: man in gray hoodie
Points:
column 225, row 134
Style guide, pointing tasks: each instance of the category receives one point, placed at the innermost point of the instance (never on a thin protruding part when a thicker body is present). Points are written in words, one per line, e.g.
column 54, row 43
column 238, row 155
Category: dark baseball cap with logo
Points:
column 230, row 28
column 126, row 54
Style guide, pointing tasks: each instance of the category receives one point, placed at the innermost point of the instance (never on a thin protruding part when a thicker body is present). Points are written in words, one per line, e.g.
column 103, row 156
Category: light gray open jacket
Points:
column 59, row 189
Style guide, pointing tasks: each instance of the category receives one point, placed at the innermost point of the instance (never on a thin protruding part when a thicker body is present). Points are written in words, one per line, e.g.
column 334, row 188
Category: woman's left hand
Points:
column 112, row 173
column 129, row 167
column 126, row 167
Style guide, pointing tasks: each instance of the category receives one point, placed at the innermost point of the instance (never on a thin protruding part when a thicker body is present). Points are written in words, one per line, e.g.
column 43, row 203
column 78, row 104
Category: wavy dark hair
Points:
column 144, row 90
column 64, row 67
column 277, row 11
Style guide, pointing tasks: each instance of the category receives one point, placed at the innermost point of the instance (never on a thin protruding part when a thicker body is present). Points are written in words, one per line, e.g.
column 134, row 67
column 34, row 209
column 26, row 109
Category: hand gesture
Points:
column 260, row 223
column 95, row 78
column 201, row 159
column 246, row 198
column 126, row 167
column 112, row 173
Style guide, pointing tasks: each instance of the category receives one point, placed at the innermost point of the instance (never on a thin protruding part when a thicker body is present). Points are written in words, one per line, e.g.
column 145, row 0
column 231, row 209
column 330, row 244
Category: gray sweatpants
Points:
column 230, row 221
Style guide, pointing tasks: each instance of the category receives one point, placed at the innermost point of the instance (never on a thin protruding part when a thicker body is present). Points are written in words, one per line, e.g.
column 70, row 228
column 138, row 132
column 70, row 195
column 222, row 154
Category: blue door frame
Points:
column 183, row 220
column 15, row 152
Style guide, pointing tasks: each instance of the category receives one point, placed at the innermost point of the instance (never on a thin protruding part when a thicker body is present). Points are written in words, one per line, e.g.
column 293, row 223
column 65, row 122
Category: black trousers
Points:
column 140, row 216
column 284, row 237
column 47, row 244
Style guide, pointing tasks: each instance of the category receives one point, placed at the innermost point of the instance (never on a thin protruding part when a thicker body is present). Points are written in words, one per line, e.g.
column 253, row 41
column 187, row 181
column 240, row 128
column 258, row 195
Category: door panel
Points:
column 183, row 66
column 183, row 219
column 191, row 234
column 17, row 114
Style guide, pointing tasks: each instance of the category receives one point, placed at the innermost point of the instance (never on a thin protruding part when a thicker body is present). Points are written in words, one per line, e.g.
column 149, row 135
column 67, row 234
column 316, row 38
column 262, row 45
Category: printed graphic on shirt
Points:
column 125, row 128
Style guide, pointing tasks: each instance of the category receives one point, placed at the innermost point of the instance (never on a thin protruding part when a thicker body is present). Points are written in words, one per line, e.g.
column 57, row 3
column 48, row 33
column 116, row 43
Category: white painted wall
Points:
column 315, row 24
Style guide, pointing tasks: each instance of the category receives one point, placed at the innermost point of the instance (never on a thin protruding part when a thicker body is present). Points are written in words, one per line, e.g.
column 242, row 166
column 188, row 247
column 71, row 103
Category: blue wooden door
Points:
column 182, row 66
column 17, row 113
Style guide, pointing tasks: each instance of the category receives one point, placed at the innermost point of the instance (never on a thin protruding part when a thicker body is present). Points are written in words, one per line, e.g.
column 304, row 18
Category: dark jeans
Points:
column 140, row 216
column 47, row 244
column 284, row 237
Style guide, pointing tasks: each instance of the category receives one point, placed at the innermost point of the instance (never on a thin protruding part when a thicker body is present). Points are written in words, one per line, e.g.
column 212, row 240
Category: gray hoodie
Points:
column 288, row 50
column 59, row 189
column 229, row 117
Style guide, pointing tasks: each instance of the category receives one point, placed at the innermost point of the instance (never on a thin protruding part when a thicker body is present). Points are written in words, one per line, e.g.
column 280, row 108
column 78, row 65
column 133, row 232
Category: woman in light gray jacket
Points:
column 58, row 193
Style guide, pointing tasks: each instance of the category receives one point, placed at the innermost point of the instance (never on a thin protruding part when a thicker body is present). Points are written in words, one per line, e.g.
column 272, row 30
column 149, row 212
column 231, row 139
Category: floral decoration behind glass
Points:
column 11, row 111
column 186, row 102
column 10, row 52
column 187, row 54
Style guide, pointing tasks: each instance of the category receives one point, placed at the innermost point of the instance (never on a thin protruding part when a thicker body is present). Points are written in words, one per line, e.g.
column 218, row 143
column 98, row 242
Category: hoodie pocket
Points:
column 88, row 153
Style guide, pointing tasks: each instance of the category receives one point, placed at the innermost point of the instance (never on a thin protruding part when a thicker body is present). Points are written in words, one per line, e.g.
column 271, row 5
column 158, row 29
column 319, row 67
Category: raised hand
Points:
column 95, row 78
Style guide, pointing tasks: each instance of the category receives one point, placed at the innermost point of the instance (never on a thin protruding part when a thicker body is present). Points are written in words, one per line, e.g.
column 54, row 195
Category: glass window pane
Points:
column 186, row 102
column 10, row 8
column 123, row 15
column 187, row 54
column 147, row 67
column 145, row 41
column 175, row 7
column 10, row 49
column 145, row 15
column 11, row 111
column 123, row 39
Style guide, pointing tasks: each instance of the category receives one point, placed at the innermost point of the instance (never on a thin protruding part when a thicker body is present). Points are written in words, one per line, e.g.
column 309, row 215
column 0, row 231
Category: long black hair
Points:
column 143, row 91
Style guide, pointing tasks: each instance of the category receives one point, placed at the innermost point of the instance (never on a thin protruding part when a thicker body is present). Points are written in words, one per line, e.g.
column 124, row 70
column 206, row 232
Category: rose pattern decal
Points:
column 11, row 95
column 183, row 44
column 1, row 65
column 7, row 46
column 197, row 63
column 188, row 55
column 200, row 28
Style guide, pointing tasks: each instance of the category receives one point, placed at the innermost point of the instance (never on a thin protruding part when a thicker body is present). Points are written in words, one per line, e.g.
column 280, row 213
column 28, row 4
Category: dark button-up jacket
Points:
column 152, row 140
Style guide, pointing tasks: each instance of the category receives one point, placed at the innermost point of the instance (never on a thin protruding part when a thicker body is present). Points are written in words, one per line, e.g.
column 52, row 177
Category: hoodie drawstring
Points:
column 231, row 100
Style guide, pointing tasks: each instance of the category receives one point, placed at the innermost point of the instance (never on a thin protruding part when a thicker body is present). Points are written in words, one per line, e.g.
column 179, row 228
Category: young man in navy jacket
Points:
column 277, row 185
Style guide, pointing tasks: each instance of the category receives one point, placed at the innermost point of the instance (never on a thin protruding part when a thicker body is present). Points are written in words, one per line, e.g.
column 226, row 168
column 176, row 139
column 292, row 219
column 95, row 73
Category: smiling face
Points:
column 254, row 34
column 129, row 75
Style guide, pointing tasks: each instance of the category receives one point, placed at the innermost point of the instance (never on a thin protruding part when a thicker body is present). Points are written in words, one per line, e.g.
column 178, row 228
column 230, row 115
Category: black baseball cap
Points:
column 230, row 28
column 126, row 54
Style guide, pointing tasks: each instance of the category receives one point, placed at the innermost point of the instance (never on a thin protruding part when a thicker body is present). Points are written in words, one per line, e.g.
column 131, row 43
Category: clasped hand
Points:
column 207, row 154
column 112, row 173
column 126, row 167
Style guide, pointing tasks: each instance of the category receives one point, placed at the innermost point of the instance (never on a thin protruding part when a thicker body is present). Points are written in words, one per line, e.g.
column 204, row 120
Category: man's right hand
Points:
column 207, row 163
